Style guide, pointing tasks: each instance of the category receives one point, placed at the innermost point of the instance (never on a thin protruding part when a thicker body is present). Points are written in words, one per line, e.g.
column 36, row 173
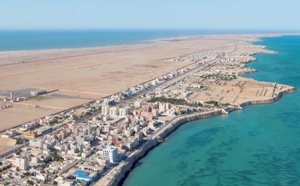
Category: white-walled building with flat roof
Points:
column 105, row 110
column 110, row 153
column 123, row 112
column 22, row 162
column 113, row 111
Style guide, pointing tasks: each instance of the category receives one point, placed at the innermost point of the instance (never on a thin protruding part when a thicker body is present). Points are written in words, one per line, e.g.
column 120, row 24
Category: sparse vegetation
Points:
column 18, row 152
column 216, row 104
column 56, row 157
column 29, row 182
column 174, row 101
column 219, row 76
column 37, row 98
column 27, row 174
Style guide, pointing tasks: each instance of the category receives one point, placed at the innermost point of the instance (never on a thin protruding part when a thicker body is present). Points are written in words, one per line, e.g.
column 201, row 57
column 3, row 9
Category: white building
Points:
column 123, row 111
column 161, row 107
column 110, row 153
column 105, row 110
column 113, row 111
column 153, row 82
column 137, row 104
column 164, row 107
column 22, row 162
column 11, row 132
column 37, row 143
column 129, row 132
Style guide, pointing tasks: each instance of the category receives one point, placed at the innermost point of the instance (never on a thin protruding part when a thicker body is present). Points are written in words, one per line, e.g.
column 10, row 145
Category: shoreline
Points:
column 131, row 161
column 67, row 49
column 146, row 41
column 127, row 165
column 92, row 71
column 123, row 169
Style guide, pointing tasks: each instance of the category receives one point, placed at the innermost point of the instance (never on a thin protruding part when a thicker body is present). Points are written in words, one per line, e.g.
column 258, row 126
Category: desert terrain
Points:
column 91, row 73
column 99, row 71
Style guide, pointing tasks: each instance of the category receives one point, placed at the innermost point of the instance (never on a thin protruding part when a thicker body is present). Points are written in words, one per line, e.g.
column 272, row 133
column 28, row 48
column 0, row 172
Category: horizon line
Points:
column 170, row 29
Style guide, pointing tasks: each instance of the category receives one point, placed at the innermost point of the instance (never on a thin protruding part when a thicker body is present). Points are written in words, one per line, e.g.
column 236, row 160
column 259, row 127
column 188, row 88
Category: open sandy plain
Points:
column 27, row 111
column 6, row 144
column 94, row 72
column 237, row 91
column 240, row 90
column 100, row 71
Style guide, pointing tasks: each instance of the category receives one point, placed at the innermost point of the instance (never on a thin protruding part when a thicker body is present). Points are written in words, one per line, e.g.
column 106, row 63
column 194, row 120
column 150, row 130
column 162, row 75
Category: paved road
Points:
column 5, row 154
column 169, row 82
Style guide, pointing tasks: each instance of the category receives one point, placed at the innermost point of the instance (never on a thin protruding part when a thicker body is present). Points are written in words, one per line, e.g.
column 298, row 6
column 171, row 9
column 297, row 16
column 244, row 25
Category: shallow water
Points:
column 259, row 145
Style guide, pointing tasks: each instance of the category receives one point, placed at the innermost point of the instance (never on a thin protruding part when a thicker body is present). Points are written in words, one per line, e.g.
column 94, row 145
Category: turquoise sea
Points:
column 259, row 145
column 57, row 39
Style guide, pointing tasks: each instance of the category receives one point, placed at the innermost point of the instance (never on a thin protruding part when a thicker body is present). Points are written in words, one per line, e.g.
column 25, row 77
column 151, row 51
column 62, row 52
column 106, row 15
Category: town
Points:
column 83, row 145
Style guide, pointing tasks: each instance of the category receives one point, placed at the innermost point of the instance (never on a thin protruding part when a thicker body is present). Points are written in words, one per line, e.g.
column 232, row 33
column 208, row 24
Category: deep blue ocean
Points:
column 58, row 39
column 259, row 145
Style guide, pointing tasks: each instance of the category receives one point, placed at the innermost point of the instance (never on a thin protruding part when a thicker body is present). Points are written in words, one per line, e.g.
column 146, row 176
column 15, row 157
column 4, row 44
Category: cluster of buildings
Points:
column 142, row 88
column 67, row 149
column 12, row 98
column 21, row 162
column 100, row 142
column 196, row 57
column 10, row 133
column 235, row 62
column 37, row 92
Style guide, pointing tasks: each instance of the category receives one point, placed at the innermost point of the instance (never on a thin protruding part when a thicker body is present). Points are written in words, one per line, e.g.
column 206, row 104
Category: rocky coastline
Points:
column 133, row 158
column 267, row 101
column 129, row 163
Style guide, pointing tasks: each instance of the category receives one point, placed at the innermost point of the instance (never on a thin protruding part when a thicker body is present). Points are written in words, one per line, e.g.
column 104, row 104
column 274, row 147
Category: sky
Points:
column 149, row 14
